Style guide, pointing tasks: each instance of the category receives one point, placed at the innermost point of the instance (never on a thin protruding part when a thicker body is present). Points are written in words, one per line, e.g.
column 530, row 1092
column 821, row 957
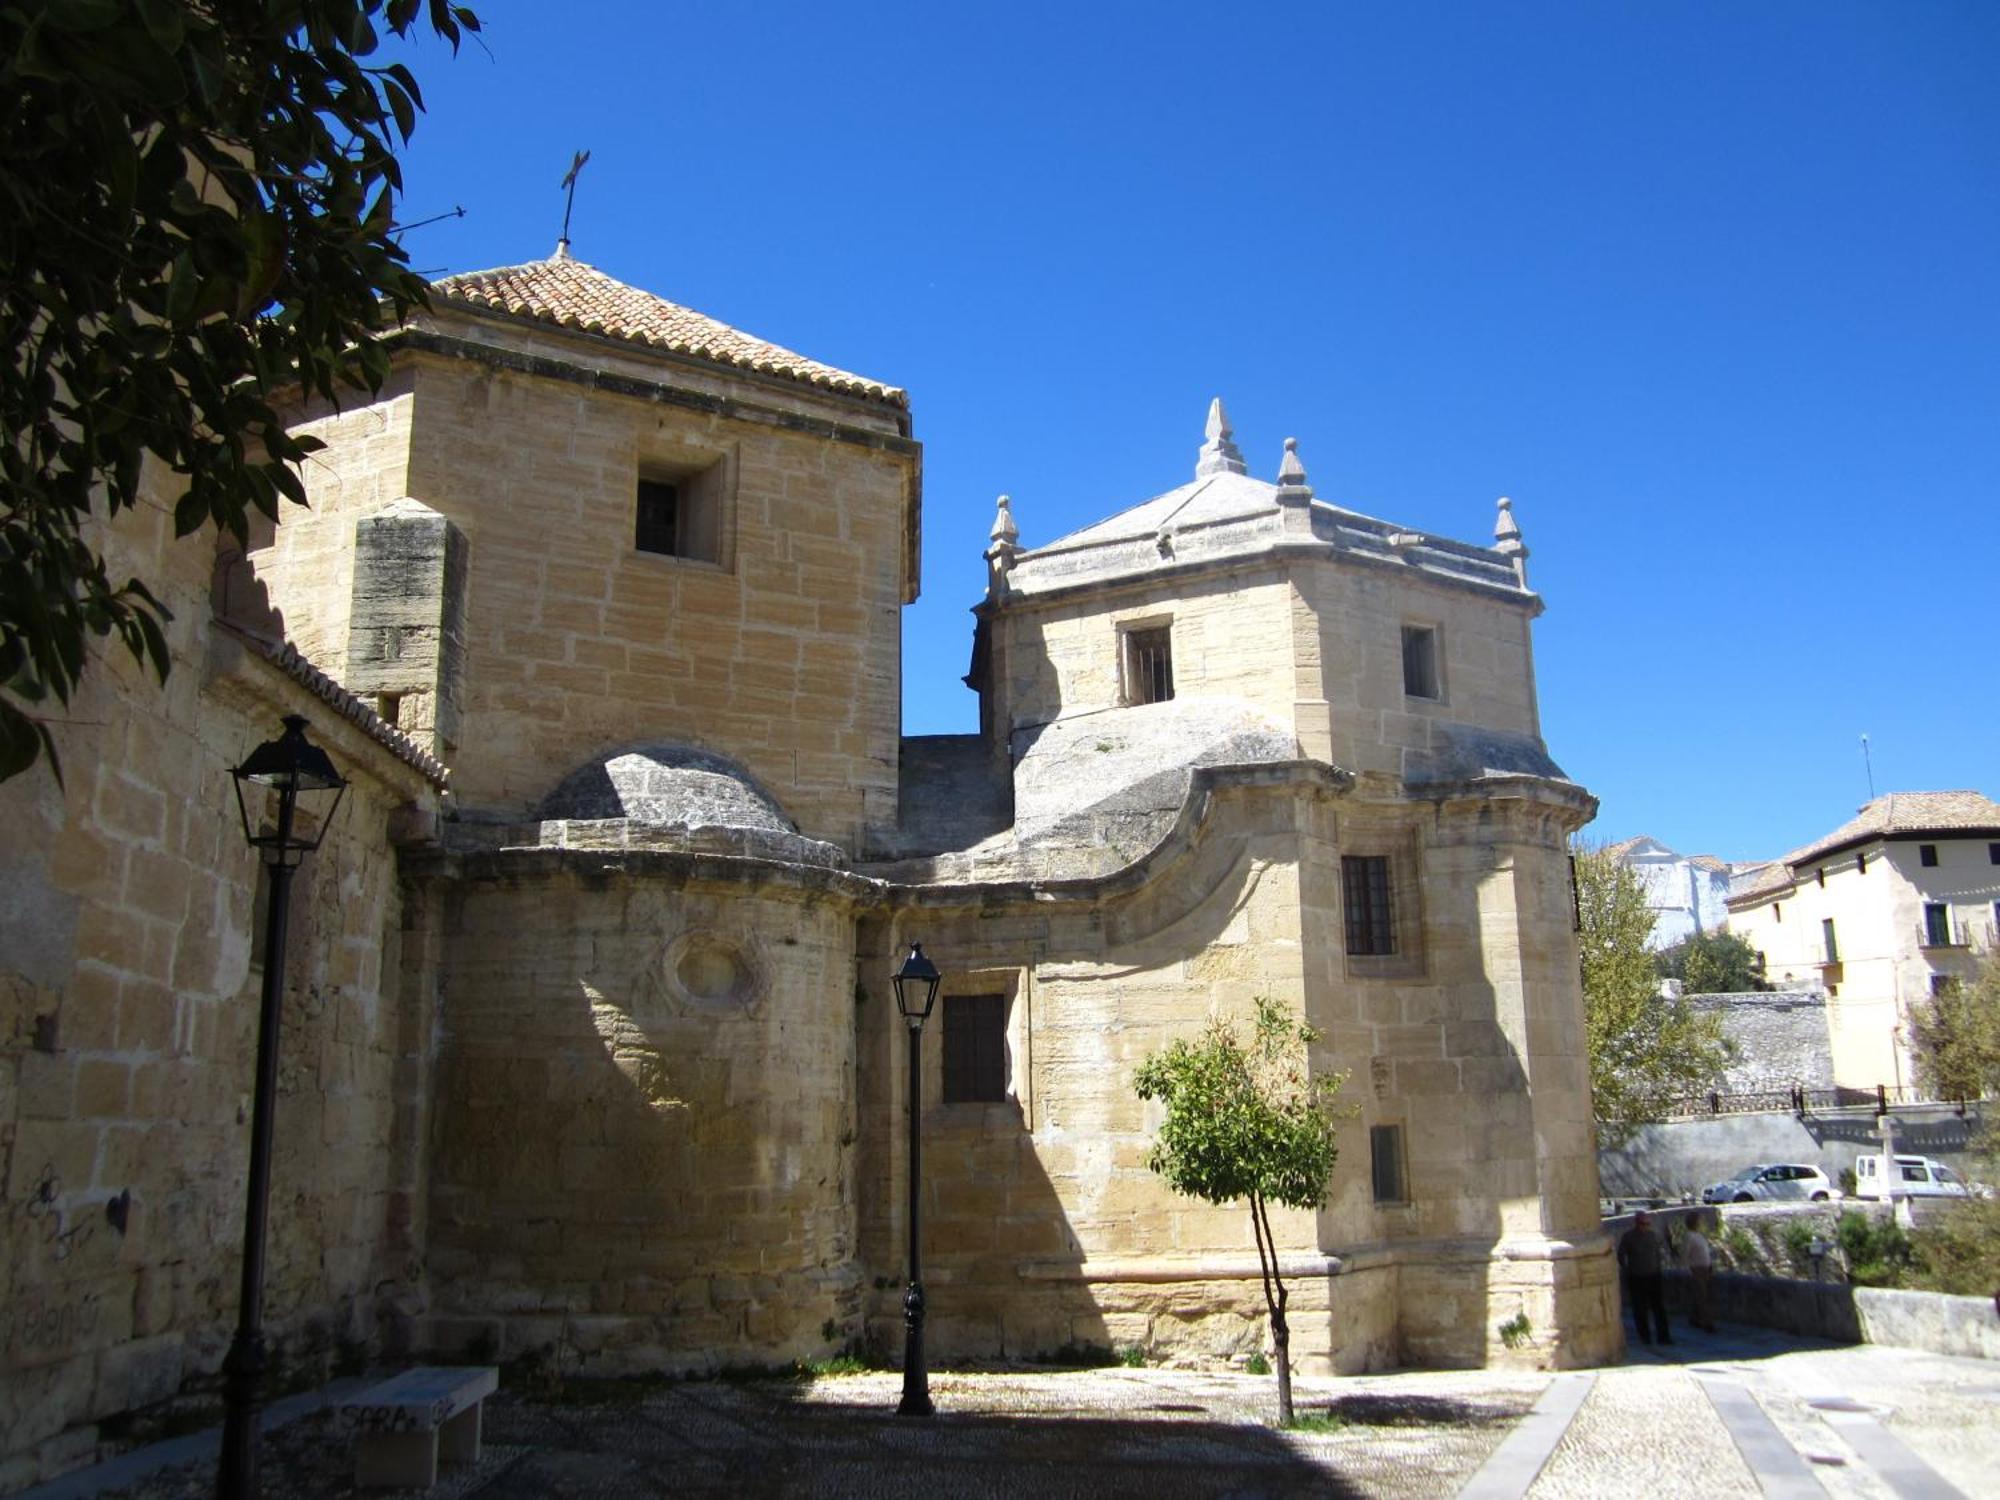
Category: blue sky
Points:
column 1712, row 290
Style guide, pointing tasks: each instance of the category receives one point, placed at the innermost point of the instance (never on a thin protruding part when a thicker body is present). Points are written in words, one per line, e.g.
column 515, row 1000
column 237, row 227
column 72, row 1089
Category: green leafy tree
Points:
column 1247, row 1121
column 196, row 210
column 1645, row 1051
column 1713, row 963
column 1956, row 1033
column 1959, row 1252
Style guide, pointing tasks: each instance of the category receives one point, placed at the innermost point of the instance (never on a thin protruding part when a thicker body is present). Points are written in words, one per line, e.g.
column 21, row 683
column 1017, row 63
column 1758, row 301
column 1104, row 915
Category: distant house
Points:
column 1883, row 911
column 1689, row 893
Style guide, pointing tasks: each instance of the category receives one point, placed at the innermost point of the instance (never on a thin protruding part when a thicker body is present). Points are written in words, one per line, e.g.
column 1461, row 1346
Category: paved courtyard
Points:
column 1740, row 1413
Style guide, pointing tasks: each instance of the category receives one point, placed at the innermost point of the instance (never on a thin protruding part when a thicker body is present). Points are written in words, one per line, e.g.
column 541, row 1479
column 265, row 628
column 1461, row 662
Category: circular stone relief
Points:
column 711, row 972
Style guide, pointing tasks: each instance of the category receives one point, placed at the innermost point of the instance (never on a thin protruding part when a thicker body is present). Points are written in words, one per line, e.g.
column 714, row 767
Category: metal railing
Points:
column 1804, row 1101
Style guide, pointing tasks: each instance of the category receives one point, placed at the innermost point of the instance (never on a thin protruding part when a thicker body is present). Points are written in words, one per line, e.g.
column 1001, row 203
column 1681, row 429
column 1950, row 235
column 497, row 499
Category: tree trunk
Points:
column 1281, row 1336
column 1274, row 1299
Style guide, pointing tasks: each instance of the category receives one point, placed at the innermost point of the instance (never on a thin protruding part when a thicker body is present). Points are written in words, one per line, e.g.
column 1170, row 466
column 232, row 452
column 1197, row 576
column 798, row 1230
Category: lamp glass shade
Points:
column 916, row 985
column 294, row 768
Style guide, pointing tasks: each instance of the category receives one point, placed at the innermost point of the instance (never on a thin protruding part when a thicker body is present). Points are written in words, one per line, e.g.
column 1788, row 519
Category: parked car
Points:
column 1910, row 1177
column 1782, row 1181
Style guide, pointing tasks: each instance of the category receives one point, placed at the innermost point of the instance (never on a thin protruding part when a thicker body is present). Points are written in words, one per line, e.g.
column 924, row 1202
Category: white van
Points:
column 1912, row 1177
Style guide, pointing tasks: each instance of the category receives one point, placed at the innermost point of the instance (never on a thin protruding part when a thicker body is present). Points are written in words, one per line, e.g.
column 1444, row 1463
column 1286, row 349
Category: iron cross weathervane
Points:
column 569, row 182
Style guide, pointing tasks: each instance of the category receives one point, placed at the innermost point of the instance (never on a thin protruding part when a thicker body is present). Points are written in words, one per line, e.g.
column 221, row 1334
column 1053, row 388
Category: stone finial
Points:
column 1219, row 455
column 1005, row 532
column 1507, row 540
column 1292, row 483
column 1005, row 545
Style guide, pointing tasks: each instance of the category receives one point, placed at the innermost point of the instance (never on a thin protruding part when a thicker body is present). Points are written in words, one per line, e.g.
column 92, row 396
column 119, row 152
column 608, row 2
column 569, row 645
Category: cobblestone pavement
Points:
column 1742, row 1413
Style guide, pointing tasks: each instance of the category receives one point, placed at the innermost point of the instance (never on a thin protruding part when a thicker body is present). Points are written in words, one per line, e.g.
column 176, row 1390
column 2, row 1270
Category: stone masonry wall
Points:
column 786, row 655
column 1231, row 637
column 644, row 1117
column 1487, row 664
column 127, row 1035
column 1044, row 1227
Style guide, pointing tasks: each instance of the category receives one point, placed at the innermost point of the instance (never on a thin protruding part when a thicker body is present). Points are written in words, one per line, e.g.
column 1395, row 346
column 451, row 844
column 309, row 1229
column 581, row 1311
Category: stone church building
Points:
column 590, row 1053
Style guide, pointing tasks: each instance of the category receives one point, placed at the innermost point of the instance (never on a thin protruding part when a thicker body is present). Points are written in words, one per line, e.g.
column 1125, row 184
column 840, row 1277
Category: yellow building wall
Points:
column 128, row 1013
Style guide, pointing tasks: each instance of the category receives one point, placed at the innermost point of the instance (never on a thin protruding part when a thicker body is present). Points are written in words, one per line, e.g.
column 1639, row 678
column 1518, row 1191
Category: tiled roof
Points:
column 286, row 658
column 1757, row 881
column 566, row 292
column 1907, row 813
column 1625, row 846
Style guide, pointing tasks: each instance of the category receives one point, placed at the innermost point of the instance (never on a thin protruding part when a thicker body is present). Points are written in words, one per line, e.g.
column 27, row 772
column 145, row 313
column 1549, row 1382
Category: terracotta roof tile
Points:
column 286, row 658
column 571, row 294
column 1907, row 813
column 1756, row 881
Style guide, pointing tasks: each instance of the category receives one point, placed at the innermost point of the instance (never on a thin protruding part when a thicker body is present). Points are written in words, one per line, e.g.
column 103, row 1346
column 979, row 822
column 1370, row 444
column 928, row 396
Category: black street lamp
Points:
column 916, row 992
column 291, row 767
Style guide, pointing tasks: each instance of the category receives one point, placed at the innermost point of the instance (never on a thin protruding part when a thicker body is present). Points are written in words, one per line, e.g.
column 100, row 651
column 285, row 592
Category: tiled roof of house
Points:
column 570, row 294
column 1907, row 813
column 1757, row 881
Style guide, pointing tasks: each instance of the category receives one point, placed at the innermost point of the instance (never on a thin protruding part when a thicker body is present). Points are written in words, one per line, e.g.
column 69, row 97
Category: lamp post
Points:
column 291, row 767
column 916, row 992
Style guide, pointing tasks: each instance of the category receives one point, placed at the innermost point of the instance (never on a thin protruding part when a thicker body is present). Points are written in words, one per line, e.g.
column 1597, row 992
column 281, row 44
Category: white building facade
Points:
column 1688, row 893
column 1882, row 912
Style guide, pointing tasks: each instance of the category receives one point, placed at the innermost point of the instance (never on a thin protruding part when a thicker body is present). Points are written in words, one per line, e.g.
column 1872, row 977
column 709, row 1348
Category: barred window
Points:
column 1371, row 917
column 1149, row 665
column 975, row 1049
column 658, row 517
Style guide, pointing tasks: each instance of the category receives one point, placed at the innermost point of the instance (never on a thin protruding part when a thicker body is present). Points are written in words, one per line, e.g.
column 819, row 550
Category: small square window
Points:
column 1371, row 912
column 975, row 1049
column 1385, row 1157
column 678, row 512
column 1420, row 662
column 1927, row 855
column 1149, row 665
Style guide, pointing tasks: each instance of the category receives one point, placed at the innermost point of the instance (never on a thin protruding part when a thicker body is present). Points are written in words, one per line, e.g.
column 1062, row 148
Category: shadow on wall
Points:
column 1045, row 1231
column 644, row 1127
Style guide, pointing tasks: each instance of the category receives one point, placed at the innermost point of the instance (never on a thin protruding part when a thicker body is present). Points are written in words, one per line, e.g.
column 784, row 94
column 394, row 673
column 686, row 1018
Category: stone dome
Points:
column 668, row 785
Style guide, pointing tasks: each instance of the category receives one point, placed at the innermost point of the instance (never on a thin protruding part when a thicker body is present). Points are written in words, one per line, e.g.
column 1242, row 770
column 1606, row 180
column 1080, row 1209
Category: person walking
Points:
column 1640, row 1253
column 1700, row 1262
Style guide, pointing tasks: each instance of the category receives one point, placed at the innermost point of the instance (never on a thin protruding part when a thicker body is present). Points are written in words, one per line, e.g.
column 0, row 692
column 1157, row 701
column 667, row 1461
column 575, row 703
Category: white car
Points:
column 1910, row 1177
column 1780, row 1181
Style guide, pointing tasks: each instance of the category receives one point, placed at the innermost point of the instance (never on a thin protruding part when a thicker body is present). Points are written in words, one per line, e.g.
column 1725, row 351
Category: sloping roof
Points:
column 1906, row 814
column 286, row 658
column 571, row 294
column 1205, row 500
column 1758, row 881
column 1626, row 847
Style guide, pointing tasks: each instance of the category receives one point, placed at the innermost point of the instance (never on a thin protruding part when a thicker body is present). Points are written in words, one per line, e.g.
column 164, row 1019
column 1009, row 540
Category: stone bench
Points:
column 405, row 1424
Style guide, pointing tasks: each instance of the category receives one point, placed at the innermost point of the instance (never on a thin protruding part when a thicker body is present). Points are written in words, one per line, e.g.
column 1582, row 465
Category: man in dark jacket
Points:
column 1639, row 1255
